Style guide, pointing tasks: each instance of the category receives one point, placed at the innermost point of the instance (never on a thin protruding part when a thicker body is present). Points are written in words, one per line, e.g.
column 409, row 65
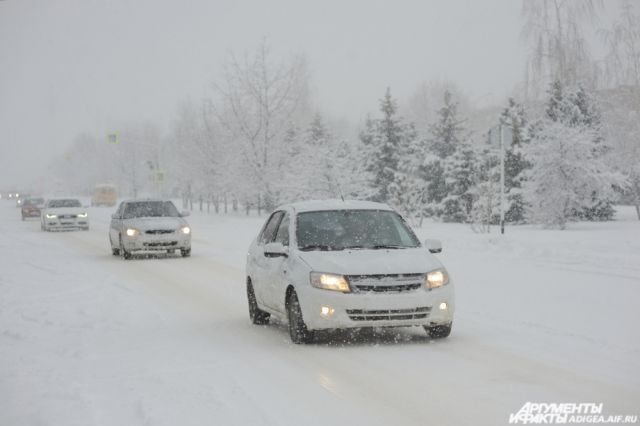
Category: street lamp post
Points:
column 502, row 128
column 501, row 178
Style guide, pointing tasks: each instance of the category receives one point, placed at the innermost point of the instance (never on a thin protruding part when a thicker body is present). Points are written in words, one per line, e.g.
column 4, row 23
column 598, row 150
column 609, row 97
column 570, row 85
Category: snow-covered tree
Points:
column 565, row 173
column 515, row 164
column 445, row 136
column 259, row 101
column 557, row 47
column 384, row 141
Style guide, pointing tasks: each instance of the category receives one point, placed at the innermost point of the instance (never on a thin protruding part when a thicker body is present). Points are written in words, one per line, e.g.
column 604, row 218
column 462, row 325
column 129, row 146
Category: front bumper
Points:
column 157, row 242
column 354, row 310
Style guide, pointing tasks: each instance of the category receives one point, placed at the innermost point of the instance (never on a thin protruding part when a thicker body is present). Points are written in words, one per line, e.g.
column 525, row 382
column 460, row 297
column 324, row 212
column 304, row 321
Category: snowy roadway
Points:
column 89, row 339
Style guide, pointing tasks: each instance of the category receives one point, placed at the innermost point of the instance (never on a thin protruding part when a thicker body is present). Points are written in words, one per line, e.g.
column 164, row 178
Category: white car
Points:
column 335, row 264
column 149, row 225
column 64, row 213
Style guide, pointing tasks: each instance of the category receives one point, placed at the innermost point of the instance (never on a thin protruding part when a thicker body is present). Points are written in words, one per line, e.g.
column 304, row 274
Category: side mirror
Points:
column 276, row 250
column 185, row 213
column 434, row 246
column 114, row 216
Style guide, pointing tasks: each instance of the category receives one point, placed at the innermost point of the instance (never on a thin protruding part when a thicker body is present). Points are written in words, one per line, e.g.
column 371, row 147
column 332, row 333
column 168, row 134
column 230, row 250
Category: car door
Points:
column 260, row 262
column 278, row 267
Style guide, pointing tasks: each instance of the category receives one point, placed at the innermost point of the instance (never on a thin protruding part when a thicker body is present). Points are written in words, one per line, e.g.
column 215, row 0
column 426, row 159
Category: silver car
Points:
column 149, row 225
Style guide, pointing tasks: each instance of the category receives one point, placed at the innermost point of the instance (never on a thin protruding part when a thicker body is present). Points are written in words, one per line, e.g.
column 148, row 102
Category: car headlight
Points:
column 330, row 282
column 437, row 278
column 83, row 215
column 51, row 216
column 132, row 232
column 185, row 230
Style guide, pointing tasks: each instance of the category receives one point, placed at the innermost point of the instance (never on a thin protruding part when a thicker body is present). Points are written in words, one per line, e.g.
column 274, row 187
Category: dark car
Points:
column 31, row 207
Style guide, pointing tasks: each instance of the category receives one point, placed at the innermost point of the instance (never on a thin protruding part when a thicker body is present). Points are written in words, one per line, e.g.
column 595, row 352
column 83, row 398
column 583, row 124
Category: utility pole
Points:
column 501, row 179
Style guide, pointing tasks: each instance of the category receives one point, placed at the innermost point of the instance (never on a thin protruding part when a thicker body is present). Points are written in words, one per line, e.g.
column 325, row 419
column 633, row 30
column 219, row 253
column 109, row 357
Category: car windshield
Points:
column 355, row 229
column 150, row 209
column 56, row 204
column 33, row 201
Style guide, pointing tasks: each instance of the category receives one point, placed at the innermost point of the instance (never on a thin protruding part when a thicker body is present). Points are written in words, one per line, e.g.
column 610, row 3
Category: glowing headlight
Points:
column 51, row 216
column 329, row 282
column 83, row 215
column 185, row 230
column 436, row 278
column 132, row 232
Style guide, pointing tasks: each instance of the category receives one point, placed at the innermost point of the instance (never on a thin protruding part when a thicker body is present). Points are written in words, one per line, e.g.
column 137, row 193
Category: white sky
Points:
column 71, row 66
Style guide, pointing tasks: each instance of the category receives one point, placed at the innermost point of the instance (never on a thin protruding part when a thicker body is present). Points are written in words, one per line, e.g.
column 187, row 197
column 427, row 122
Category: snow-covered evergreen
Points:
column 568, row 174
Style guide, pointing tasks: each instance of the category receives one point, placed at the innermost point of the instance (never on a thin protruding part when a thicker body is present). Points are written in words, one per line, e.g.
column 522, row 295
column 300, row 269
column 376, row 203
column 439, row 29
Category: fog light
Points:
column 443, row 306
column 326, row 311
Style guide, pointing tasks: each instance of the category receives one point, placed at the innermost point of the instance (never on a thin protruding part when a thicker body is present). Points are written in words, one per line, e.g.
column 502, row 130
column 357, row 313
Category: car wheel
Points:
column 256, row 315
column 185, row 252
column 171, row 251
column 438, row 331
column 298, row 330
column 124, row 253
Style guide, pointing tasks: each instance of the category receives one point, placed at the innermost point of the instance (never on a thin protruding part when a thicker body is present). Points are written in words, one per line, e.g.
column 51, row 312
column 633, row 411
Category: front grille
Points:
column 161, row 244
column 386, row 283
column 388, row 314
column 159, row 231
column 67, row 216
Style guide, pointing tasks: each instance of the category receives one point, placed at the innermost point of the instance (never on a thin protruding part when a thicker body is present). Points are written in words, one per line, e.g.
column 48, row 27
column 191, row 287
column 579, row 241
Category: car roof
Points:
column 320, row 205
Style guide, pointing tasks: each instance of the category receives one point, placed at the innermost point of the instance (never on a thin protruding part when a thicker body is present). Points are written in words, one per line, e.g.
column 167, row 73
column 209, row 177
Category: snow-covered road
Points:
column 89, row 339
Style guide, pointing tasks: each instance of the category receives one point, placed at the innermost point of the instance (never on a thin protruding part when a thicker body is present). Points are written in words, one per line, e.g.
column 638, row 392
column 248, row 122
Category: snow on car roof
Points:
column 316, row 205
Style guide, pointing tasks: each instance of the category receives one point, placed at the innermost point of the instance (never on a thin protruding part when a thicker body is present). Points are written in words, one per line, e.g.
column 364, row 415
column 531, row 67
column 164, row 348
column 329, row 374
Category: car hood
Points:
column 372, row 262
column 152, row 223
column 66, row 210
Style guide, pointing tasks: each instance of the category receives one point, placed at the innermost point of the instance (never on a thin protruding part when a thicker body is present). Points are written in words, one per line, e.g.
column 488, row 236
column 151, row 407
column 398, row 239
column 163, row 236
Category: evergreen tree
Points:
column 447, row 131
column 514, row 162
column 383, row 140
column 445, row 137
column 460, row 176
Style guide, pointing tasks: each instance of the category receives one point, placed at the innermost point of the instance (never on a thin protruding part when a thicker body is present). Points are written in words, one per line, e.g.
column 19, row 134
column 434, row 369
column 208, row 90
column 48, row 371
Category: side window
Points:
column 283, row 231
column 270, row 228
column 120, row 210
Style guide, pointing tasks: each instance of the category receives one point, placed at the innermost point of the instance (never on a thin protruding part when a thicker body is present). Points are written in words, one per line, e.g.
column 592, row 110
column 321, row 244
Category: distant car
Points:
column 64, row 213
column 104, row 195
column 149, row 225
column 31, row 207
column 335, row 264
column 20, row 199
column 11, row 195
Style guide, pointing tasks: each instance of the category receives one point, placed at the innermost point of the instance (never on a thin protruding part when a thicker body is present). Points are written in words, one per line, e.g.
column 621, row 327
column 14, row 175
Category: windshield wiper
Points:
column 388, row 246
column 321, row 247
column 376, row 247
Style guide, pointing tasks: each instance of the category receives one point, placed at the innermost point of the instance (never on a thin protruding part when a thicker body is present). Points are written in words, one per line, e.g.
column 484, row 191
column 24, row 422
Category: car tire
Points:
column 123, row 252
column 171, row 251
column 298, row 330
column 185, row 252
column 257, row 316
column 438, row 331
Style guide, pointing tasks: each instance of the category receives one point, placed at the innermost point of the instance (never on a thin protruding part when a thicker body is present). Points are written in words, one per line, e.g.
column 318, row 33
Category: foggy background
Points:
column 71, row 66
